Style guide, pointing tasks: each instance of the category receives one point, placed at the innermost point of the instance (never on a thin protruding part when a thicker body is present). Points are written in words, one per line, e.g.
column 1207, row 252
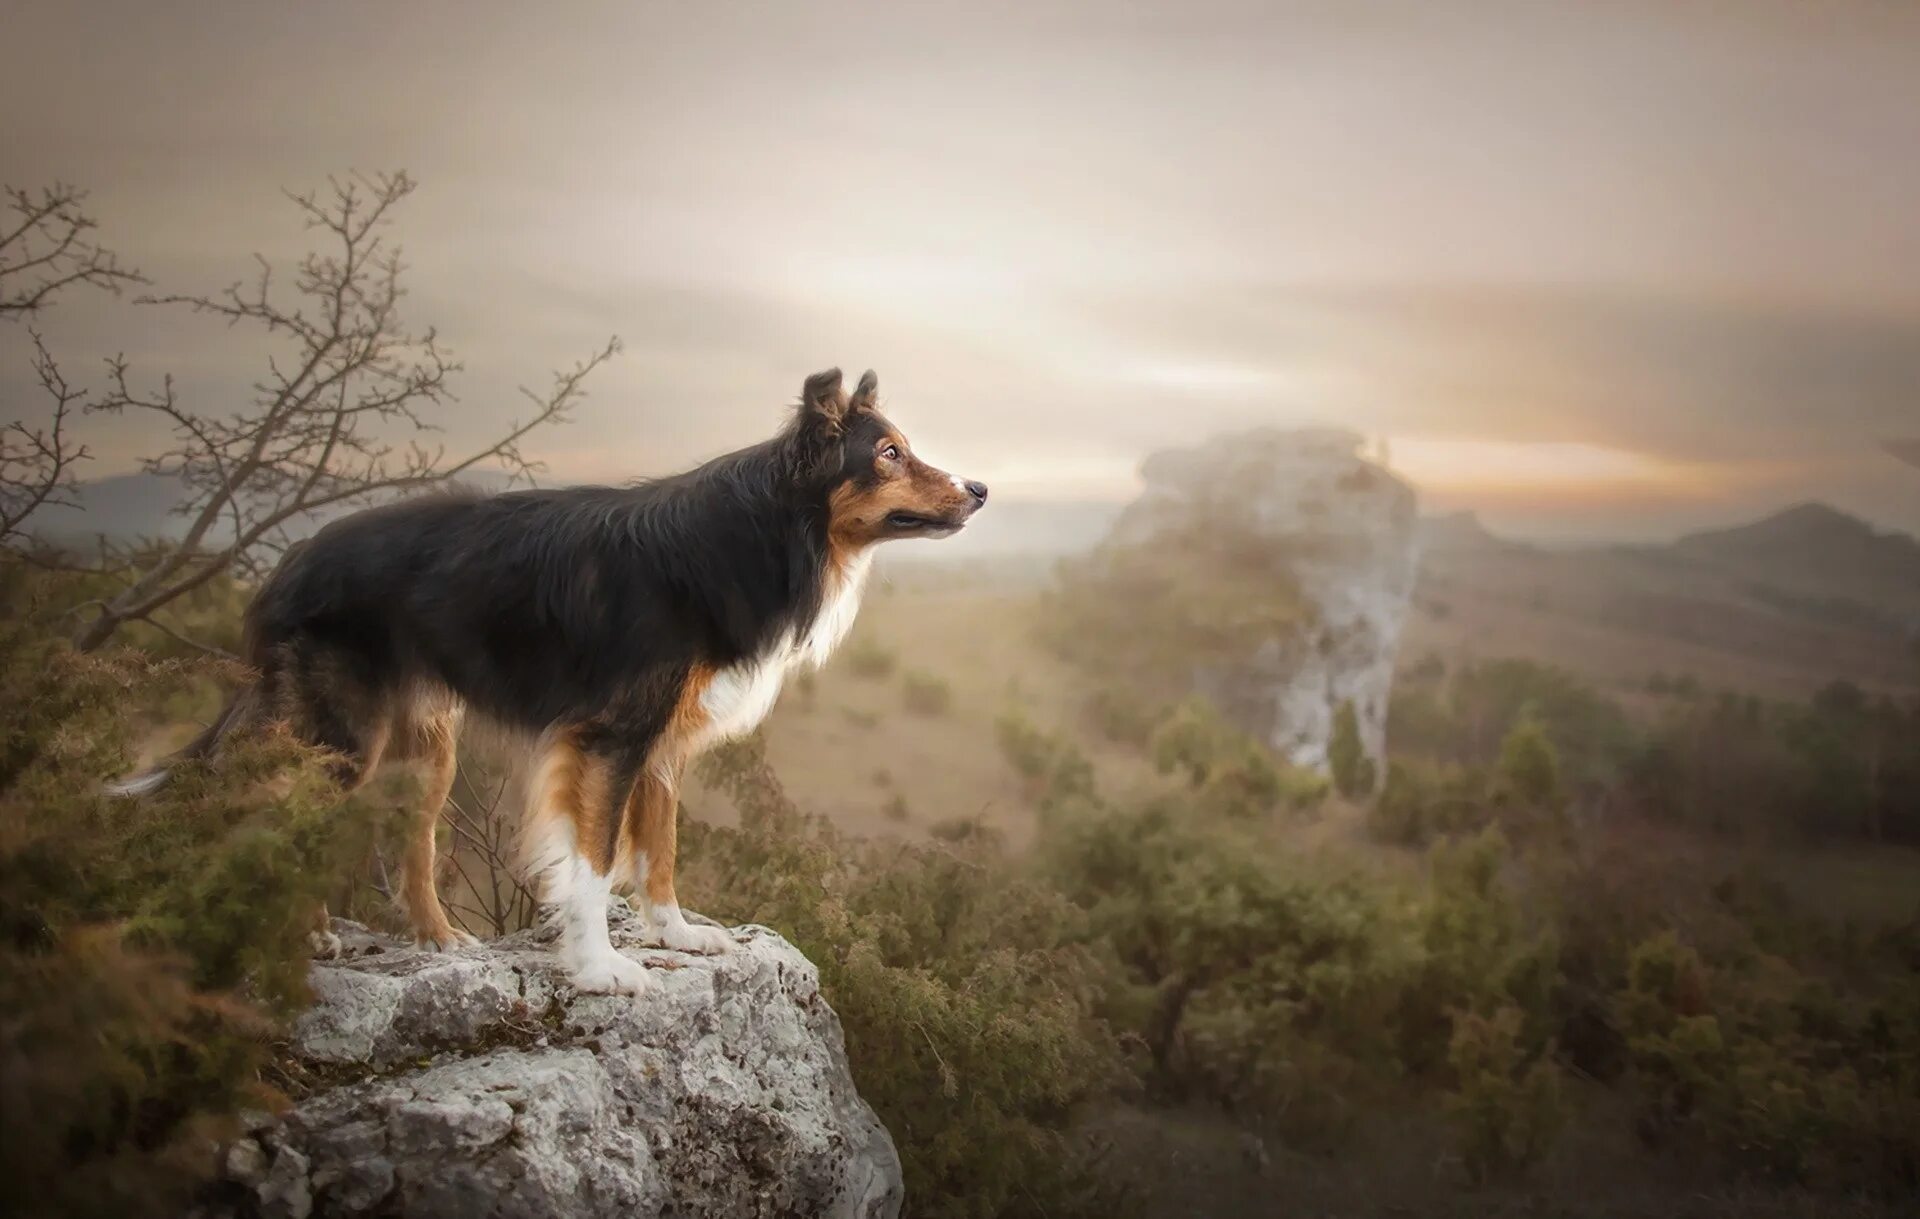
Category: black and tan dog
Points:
column 621, row 629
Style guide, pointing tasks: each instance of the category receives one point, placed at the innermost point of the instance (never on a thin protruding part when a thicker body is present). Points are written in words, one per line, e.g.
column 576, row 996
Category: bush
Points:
column 927, row 694
column 148, row 949
column 1353, row 771
column 1529, row 768
column 1421, row 802
column 1120, row 717
column 868, row 657
column 1227, row 769
column 1505, row 1103
column 1055, row 771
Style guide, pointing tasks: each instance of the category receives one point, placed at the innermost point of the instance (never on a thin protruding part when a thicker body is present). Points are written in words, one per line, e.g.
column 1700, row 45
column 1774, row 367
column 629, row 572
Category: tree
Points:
column 1529, row 767
column 45, row 248
column 1353, row 770
column 318, row 431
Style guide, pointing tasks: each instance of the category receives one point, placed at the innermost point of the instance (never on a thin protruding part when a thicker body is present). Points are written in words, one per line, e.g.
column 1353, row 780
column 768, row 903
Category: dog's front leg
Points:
column 580, row 796
column 656, row 812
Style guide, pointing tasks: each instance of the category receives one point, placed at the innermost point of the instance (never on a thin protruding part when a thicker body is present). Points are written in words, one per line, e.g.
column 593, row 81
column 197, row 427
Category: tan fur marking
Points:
column 856, row 515
column 658, row 803
column 650, row 828
column 570, row 783
column 429, row 742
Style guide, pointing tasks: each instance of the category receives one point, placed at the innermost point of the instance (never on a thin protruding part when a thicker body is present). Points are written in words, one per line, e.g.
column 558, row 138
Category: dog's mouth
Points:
column 920, row 523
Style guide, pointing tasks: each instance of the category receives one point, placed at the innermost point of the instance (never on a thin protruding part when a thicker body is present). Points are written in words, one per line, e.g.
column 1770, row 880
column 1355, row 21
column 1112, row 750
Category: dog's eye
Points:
column 891, row 452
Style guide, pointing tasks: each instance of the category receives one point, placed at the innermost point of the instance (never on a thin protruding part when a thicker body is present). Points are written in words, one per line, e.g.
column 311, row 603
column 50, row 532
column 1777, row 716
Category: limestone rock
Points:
column 1341, row 529
column 477, row 1083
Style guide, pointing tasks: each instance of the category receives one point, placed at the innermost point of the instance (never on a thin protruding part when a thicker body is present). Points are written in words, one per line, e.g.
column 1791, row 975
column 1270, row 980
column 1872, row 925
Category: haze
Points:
column 1595, row 270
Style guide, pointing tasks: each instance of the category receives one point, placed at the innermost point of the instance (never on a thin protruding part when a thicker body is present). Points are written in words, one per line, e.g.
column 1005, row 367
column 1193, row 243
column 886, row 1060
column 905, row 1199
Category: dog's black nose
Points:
column 977, row 490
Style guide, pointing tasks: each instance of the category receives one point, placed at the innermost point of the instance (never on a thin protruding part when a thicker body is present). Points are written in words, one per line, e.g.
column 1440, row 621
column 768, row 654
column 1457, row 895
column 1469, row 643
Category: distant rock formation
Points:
column 1309, row 512
column 477, row 1083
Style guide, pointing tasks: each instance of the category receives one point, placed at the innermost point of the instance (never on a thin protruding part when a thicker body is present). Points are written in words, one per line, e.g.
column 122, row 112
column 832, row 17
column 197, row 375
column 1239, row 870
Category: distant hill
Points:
column 1820, row 555
column 1784, row 604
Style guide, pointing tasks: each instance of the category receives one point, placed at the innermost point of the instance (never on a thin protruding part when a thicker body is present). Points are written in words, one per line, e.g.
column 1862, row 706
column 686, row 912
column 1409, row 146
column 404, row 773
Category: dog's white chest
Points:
column 740, row 696
column 837, row 611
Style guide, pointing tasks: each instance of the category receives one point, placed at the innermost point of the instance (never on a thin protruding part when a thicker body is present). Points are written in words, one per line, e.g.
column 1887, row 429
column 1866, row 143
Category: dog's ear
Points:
column 866, row 395
column 823, row 401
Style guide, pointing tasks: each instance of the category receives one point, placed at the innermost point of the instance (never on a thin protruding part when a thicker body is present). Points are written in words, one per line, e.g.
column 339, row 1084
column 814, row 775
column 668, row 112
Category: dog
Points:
column 622, row 629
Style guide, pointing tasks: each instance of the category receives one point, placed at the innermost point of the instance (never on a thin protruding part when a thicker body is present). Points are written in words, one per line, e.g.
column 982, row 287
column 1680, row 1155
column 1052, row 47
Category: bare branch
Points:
column 46, row 248
column 36, row 463
column 335, row 421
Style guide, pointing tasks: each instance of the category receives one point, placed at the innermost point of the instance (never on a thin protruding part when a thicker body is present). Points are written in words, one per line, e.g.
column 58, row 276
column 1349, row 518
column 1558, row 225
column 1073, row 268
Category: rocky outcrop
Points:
column 477, row 1083
column 1336, row 527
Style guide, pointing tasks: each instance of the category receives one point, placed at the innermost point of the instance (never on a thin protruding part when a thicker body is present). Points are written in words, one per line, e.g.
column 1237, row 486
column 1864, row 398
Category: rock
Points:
column 1340, row 529
column 477, row 1082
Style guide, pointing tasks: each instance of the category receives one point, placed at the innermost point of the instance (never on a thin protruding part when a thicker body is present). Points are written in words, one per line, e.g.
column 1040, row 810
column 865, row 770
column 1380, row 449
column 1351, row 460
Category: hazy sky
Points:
column 1596, row 269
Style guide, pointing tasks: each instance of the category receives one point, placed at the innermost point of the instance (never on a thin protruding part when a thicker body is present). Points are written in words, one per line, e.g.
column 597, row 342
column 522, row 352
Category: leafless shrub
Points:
column 492, row 899
column 319, row 430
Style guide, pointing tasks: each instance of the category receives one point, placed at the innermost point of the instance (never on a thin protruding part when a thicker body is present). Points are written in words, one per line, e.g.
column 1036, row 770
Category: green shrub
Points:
column 148, row 949
column 1529, row 769
column 927, row 693
column 1055, row 771
column 1122, row 718
column 1421, row 802
column 1353, row 770
column 868, row 657
column 1505, row 1103
column 1227, row 769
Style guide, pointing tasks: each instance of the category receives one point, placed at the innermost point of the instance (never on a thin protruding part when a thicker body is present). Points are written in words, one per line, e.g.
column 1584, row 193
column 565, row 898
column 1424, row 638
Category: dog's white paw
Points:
column 694, row 937
column 324, row 945
column 446, row 941
column 612, row 974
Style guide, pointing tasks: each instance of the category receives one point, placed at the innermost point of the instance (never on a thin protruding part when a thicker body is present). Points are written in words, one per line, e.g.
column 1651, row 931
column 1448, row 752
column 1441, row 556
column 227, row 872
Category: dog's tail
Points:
column 150, row 780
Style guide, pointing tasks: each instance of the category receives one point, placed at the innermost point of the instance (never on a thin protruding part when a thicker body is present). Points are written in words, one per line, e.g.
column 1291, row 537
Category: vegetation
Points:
column 967, row 1004
column 149, row 950
column 1539, row 970
column 1152, row 613
column 926, row 693
column 867, row 657
column 1353, row 771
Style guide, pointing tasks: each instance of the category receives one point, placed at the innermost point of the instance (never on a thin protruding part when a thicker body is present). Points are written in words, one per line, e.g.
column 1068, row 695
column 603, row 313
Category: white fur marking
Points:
column 740, row 696
column 585, row 947
column 675, row 932
column 837, row 611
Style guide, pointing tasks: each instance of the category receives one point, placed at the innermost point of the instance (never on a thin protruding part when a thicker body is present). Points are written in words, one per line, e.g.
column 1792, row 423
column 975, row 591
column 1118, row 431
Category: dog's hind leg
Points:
column 429, row 741
column 574, row 813
column 326, row 707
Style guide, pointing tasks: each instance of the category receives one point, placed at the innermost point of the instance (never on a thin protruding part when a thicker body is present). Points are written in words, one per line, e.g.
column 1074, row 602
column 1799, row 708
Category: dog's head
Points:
column 877, row 486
